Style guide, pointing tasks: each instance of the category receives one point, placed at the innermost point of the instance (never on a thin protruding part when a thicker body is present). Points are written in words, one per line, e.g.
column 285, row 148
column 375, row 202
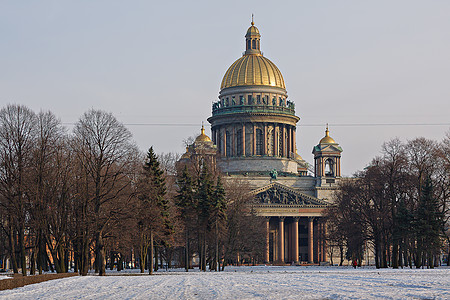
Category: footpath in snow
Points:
column 249, row 283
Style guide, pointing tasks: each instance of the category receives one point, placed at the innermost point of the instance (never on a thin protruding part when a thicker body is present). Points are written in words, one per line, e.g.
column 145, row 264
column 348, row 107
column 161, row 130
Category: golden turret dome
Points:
column 186, row 155
column 253, row 68
column 327, row 139
column 203, row 137
column 252, row 30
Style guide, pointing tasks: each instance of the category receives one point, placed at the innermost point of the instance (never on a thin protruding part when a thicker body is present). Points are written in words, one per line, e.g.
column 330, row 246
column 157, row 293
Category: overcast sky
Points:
column 162, row 62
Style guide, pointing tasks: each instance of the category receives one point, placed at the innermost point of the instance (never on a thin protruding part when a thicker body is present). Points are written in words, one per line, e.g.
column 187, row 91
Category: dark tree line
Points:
column 89, row 199
column 399, row 205
column 219, row 225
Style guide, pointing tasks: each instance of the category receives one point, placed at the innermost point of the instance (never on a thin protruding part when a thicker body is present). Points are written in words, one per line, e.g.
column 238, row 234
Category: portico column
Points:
column 281, row 240
column 320, row 240
column 310, row 239
column 295, row 238
column 266, row 252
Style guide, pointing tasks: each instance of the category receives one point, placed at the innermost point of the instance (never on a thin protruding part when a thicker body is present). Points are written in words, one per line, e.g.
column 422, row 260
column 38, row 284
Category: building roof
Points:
column 253, row 68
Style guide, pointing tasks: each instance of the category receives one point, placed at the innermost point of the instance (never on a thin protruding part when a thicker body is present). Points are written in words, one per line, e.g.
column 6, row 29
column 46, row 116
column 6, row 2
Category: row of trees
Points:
column 89, row 197
column 399, row 206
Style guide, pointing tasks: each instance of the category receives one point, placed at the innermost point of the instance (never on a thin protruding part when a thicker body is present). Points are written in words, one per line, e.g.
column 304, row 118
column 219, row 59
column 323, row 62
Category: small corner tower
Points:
column 327, row 161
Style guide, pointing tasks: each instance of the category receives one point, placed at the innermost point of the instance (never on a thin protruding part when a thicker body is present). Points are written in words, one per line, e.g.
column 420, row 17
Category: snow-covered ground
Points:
column 249, row 283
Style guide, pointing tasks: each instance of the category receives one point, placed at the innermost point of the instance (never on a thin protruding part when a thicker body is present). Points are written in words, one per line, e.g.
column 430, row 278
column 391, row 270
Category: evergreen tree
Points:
column 156, row 181
column 154, row 207
column 218, row 216
column 429, row 221
column 402, row 232
column 185, row 199
column 204, row 209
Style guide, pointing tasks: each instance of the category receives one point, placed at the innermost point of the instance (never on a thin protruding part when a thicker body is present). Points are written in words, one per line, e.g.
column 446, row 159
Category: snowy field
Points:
column 249, row 283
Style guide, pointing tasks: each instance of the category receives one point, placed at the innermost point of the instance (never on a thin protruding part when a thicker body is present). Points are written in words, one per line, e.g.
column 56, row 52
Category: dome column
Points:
column 275, row 139
column 224, row 141
column 254, row 140
column 265, row 139
column 243, row 140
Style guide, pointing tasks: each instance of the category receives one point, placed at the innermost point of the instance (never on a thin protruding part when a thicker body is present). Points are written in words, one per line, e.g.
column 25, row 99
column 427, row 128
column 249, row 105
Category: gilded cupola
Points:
column 203, row 137
column 253, row 69
column 327, row 139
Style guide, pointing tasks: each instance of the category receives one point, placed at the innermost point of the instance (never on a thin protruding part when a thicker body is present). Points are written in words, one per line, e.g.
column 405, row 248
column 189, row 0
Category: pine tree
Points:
column 156, row 181
column 185, row 199
column 218, row 216
column 429, row 221
column 204, row 209
column 154, row 206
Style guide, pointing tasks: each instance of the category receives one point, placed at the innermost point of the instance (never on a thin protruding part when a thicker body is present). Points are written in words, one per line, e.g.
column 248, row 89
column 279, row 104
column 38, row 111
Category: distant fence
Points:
column 19, row 280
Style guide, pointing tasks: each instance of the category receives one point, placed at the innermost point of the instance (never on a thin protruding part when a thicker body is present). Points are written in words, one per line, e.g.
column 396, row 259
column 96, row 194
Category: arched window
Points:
column 239, row 150
column 259, row 142
column 329, row 167
column 253, row 44
column 248, row 44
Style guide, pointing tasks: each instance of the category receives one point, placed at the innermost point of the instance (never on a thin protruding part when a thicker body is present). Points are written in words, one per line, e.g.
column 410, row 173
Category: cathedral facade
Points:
column 253, row 131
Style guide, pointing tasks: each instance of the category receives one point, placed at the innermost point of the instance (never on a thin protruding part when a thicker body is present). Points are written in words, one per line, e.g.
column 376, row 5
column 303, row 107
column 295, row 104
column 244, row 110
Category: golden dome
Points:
column 252, row 30
column 203, row 137
column 327, row 139
column 253, row 70
column 186, row 155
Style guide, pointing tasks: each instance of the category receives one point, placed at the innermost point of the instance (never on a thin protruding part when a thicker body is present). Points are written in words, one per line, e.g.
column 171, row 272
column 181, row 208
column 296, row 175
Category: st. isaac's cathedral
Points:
column 253, row 126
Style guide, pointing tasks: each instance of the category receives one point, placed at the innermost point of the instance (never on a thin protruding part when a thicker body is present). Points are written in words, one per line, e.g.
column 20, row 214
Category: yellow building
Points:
column 253, row 127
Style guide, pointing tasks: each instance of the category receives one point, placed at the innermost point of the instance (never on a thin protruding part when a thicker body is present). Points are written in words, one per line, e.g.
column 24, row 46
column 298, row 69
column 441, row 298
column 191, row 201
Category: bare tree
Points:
column 49, row 193
column 103, row 148
column 17, row 140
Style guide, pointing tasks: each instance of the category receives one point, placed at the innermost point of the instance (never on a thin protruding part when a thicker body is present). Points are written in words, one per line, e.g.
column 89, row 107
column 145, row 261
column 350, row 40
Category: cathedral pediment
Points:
column 279, row 194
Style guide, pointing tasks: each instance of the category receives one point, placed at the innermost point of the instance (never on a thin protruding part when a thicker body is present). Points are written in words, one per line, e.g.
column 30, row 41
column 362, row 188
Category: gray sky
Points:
column 153, row 62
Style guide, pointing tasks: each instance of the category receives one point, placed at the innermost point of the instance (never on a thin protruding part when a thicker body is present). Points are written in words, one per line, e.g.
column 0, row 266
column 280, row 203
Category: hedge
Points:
column 19, row 280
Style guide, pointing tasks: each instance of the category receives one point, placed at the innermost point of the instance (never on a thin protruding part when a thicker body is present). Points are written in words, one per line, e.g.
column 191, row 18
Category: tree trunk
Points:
column 217, row 249
column 13, row 255
column 33, row 256
column 155, row 266
column 23, row 261
column 187, row 252
column 150, row 255
column 395, row 254
column 101, row 255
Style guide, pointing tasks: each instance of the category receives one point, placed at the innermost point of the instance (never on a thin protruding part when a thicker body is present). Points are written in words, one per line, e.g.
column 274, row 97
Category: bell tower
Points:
column 327, row 161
